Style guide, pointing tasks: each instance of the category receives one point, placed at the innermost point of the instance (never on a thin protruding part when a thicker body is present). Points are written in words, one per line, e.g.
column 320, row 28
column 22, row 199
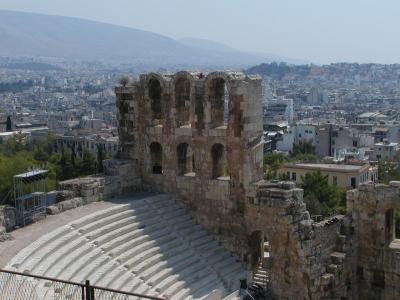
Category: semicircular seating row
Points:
column 148, row 246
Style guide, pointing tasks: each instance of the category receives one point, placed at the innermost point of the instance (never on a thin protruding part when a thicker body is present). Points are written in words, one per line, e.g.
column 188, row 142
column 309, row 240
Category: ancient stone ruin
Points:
column 198, row 137
column 195, row 141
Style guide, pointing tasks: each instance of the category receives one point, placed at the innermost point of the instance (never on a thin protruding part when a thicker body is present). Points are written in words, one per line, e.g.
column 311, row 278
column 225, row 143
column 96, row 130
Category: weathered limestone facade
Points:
column 199, row 137
column 376, row 251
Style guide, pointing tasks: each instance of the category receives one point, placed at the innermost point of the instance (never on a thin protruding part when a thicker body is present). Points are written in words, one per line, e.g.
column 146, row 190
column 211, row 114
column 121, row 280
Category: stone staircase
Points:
column 149, row 246
column 260, row 276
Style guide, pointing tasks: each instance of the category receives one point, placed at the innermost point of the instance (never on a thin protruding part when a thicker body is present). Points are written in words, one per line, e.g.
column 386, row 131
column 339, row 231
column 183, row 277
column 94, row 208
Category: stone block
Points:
column 66, row 205
column 327, row 279
column 298, row 194
column 306, row 225
column 338, row 257
column 65, row 195
column 10, row 218
column 69, row 204
column 52, row 210
column 183, row 131
column 287, row 185
column 87, row 192
column 332, row 268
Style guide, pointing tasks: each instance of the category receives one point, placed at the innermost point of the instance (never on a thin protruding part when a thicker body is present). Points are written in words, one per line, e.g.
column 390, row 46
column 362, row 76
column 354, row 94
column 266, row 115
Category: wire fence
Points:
column 20, row 286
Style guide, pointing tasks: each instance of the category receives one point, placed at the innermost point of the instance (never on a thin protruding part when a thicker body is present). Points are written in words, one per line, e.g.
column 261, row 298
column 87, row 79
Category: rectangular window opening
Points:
column 353, row 182
column 294, row 176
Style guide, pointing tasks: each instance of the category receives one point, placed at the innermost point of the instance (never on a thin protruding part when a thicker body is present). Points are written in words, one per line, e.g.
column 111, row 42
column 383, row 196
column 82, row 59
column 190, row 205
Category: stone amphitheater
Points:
column 148, row 246
column 188, row 214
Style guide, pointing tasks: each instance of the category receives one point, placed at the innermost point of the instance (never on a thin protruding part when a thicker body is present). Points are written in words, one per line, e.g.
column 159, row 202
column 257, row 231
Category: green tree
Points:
column 14, row 144
column 273, row 161
column 80, row 150
column 100, row 157
column 63, row 158
column 40, row 155
column 13, row 165
column 8, row 124
column 17, row 155
column 389, row 170
column 88, row 163
column 303, row 147
column 320, row 197
column 66, row 170
column 49, row 144
column 73, row 155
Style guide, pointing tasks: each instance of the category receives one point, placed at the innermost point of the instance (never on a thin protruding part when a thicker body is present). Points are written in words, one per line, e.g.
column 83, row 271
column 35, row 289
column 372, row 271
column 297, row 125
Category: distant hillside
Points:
column 206, row 45
column 36, row 35
column 227, row 50
column 277, row 71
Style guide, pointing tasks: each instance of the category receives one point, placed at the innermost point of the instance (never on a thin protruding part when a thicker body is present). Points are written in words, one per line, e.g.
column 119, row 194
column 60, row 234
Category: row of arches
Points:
column 186, row 163
column 218, row 96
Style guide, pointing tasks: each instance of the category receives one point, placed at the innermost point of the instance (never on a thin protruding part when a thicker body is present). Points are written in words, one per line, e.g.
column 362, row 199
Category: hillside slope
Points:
column 37, row 35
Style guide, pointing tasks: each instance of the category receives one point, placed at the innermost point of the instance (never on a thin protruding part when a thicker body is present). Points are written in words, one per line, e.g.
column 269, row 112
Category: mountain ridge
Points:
column 38, row 35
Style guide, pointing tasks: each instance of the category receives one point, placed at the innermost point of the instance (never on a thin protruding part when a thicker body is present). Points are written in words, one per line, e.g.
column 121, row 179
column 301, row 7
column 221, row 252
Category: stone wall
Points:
column 7, row 218
column 197, row 136
column 174, row 138
column 121, row 177
column 377, row 252
column 90, row 188
column 77, row 192
column 307, row 258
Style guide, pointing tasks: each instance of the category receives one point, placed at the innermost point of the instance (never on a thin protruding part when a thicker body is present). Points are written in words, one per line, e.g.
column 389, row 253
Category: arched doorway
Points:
column 182, row 102
column 185, row 160
column 156, row 158
column 155, row 93
column 260, row 258
column 219, row 161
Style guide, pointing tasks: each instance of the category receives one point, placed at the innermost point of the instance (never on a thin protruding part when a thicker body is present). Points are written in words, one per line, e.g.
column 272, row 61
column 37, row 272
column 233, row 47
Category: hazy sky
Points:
column 321, row 31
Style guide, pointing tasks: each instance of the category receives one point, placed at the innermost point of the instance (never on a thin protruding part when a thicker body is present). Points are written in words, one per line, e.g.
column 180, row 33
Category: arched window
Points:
column 185, row 160
column 219, row 99
column 199, row 112
column 260, row 250
column 219, row 161
column 155, row 98
column 182, row 102
column 156, row 158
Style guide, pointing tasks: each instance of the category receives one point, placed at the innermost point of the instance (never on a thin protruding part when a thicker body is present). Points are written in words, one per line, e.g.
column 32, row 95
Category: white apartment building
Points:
column 385, row 150
column 294, row 135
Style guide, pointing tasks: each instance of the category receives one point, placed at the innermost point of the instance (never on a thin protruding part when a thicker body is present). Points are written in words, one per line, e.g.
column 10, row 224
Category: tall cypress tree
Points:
column 73, row 155
column 100, row 157
column 8, row 124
